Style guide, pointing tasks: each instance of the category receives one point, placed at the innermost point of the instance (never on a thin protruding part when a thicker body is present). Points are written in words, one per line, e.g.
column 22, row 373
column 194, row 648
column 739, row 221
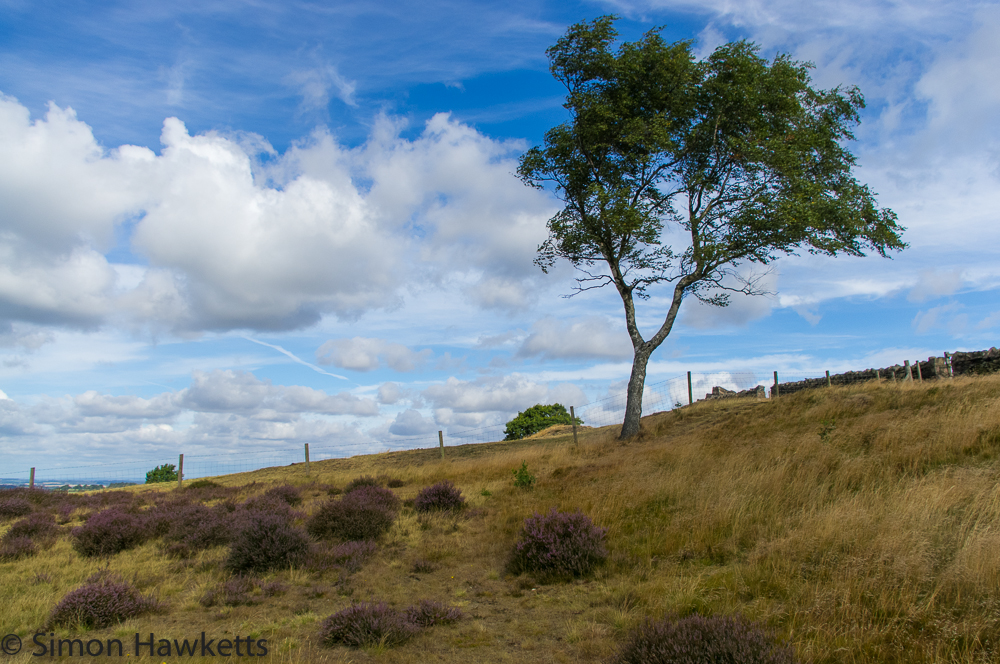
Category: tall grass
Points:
column 862, row 523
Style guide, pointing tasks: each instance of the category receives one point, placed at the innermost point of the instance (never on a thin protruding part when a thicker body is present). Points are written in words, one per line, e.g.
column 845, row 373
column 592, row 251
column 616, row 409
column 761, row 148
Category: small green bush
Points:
column 522, row 478
column 535, row 419
column 165, row 473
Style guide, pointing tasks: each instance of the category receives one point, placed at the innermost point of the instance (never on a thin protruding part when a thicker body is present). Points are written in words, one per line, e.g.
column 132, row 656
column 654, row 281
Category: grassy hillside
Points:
column 861, row 523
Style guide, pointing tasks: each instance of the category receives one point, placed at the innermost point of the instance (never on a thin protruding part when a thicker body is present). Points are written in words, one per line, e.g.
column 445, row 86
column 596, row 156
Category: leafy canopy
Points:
column 535, row 419
column 678, row 171
column 165, row 473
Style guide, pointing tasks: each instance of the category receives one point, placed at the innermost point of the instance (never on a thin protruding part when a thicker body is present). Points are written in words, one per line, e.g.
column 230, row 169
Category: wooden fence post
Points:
column 878, row 375
column 690, row 392
column 180, row 472
column 31, row 482
column 947, row 360
column 774, row 392
column 441, row 442
column 909, row 370
column 828, row 383
column 307, row 458
column 920, row 374
column 572, row 417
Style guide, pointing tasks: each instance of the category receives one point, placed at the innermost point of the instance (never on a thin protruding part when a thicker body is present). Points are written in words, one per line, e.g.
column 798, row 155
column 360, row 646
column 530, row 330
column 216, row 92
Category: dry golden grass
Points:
column 862, row 523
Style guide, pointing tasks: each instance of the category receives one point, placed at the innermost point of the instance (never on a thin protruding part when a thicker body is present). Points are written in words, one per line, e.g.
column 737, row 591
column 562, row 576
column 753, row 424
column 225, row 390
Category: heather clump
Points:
column 104, row 600
column 13, row 507
column 195, row 527
column 428, row 613
column 358, row 482
column 367, row 624
column 558, row 545
column 109, row 532
column 235, row 591
column 439, row 497
column 700, row 640
column 286, row 493
column 14, row 548
column 38, row 526
column 264, row 541
column 365, row 513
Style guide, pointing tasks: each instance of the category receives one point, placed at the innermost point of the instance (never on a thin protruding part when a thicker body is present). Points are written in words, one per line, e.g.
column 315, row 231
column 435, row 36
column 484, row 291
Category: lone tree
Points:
column 535, row 419
column 740, row 154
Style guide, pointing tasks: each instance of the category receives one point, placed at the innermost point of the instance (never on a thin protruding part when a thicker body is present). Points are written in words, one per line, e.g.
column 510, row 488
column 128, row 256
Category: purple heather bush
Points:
column 365, row 513
column 699, row 640
column 428, row 613
column 104, row 600
column 358, row 482
column 109, row 532
column 13, row 507
column 264, row 541
column 558, row 544
column 38, row 526
column 235, row 591
column 197, row 526
column 287, row 493
column 438, row 497
column 367, row 624
column 352, row 555
column 13, row 548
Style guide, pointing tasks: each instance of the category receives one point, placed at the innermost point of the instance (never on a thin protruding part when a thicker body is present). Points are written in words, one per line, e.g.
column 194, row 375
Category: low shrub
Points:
column 358, row 482
column 352, row 555
column 558, row 544
column 365, row 513
column 14, row 548
column 700, row 640
column 38, row 526
column 429, row 613
column 286, row 493
column 235, row 591
column 367, row 624
column 202, row 484
column 165, row 473
column 265, row 542
column 422, row 566
column 11, row 508
column 438, row 497
column 522, row 478
column 395, row 483
column 104, row 600
column 109, row 532
column 196, row 526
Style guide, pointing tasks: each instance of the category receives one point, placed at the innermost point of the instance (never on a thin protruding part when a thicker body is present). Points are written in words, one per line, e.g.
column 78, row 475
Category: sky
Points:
column 237, row 227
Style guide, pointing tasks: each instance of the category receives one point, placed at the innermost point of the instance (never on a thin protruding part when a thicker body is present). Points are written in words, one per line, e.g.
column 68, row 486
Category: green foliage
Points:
column 522, row 478
column 535, row 419
column 741, row 154
column 826, row 428
column 165, row 473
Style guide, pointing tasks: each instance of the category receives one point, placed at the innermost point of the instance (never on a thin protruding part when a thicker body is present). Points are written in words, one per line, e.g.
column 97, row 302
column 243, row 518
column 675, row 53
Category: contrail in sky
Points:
column 293, row 357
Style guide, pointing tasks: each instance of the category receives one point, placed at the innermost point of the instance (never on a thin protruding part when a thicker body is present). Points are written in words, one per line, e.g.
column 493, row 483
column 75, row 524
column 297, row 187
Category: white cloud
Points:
column 933, row 283
column 411, row 423
column 589, row 337
column 506, row 394
column 389, row 393
column 319, row 84
column 363, row 354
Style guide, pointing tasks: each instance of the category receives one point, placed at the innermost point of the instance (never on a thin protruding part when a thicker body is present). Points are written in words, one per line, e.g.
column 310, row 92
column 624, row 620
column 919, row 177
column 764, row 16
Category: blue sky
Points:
column 248, row 225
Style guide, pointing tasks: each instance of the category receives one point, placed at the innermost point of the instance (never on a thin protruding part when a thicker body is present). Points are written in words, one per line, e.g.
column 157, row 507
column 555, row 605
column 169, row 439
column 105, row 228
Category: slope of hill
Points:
column 861, row 523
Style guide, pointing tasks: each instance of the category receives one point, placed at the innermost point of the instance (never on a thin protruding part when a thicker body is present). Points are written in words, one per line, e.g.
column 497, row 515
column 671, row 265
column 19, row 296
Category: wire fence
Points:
column 660, row 396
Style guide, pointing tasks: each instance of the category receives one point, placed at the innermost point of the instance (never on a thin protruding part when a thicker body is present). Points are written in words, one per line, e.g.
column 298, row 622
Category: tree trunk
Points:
column 636, row 383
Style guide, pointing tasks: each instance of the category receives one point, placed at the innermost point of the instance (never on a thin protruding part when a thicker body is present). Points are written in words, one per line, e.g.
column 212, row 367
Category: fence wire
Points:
column 660, row 396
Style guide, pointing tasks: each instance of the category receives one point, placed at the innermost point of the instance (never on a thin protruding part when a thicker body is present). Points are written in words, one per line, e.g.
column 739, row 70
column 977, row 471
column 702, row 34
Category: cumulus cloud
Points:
column 389, row 393
column 590, row 337
column 411, row 423
column 506, row 394
column 230, row 242
column 364, row 354
column 228, row 391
